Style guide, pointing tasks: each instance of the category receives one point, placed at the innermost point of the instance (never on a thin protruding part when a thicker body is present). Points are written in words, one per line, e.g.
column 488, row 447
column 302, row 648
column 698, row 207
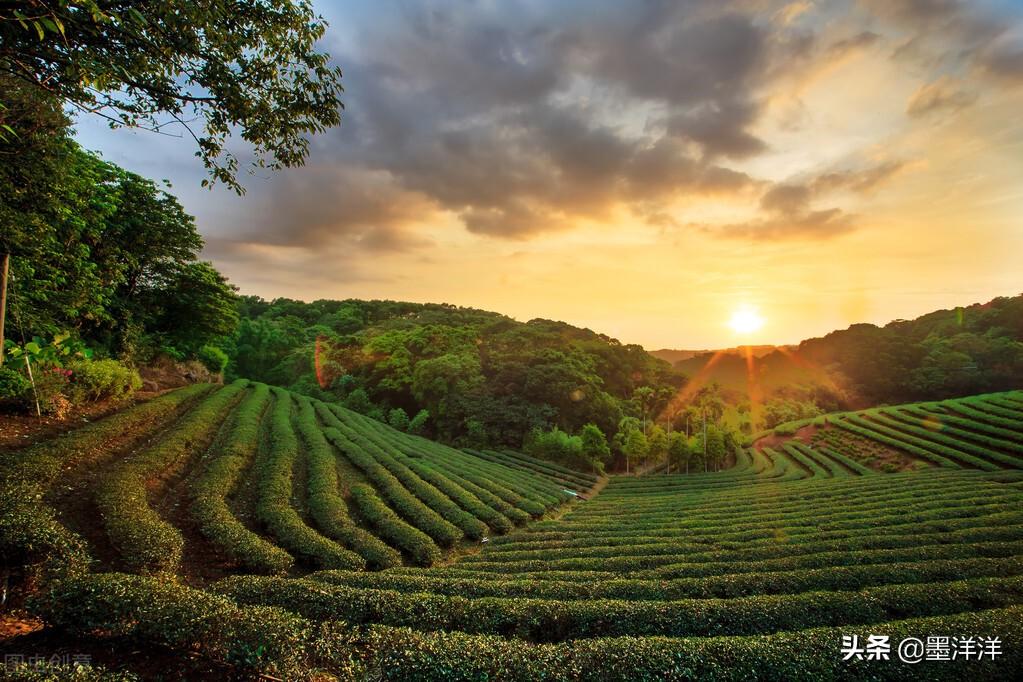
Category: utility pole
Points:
column 4, row 266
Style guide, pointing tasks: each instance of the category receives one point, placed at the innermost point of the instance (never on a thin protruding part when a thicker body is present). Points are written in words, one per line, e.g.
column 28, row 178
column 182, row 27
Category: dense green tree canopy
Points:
column 472, row 370
column 946, row 353
column 97, row 250
column 218, row 67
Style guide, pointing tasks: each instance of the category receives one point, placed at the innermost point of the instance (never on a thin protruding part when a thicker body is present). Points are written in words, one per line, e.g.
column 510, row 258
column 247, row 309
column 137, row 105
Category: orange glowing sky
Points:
column 645, row 169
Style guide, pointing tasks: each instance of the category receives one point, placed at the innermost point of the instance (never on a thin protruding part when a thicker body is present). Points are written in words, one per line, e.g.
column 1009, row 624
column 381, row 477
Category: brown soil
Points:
column 804, row 435
column 201, row 561
column 22, row 430
column 885, row 457
column 73, row 495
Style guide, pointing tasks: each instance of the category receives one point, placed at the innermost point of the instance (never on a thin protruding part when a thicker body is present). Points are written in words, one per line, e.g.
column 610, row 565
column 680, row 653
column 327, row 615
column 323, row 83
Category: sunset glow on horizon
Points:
column 746, row 320
column 642, row 169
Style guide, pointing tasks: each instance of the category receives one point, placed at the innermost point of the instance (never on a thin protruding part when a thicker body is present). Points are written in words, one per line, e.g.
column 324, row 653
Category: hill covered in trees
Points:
column 946, row 353
column 482, row 377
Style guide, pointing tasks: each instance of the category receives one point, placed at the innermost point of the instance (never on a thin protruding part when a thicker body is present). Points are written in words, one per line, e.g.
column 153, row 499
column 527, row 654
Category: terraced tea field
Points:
column 258, row 531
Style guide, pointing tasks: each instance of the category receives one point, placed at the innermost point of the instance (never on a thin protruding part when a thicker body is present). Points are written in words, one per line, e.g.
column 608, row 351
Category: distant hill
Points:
column 946, row 353
column 673, row 356
column 482, row 377
column 773, row 370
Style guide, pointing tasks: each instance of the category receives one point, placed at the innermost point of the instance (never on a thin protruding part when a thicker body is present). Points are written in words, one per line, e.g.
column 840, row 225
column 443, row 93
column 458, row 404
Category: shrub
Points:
column 219, row 476
column 144, row 540
column 15, row 390
column 161, row 612
column 49, row 388
column 99, row 379
column 273, row 467
column 398, row 419
column 326, row 506
column 403, row 654
column 549, row 620
column 213, row 359
column 417, row 544
column 411, row 508
column 418, row 423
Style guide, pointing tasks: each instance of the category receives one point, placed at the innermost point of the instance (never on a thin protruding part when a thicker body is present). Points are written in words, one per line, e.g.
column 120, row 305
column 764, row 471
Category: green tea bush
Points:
column 143, row 539
column 326, row 506
column 546, row 620
column 101, row 379
column 417, row 544
column 273, row 468
column 162, row 612
column 213, row 359
column 814, row 654
column 408, row 505
column 30, row 534
column 220, row 471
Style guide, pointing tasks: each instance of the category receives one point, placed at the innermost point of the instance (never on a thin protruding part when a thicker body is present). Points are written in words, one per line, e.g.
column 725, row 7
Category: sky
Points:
column 644, row 169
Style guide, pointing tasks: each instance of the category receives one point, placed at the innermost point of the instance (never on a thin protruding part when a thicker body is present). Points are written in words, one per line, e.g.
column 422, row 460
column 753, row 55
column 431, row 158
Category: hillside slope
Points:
column 208, row 480
column 230, row 528
column 484, row 378
column 960, row 351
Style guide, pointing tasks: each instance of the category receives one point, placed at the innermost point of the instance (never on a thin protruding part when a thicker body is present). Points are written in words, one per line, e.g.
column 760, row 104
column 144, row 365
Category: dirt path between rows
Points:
column 73, row 495
column 22, row 430
column 201, row 561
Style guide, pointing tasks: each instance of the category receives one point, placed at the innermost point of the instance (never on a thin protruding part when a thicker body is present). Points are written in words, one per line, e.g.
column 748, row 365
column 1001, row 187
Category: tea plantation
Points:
column 268, row 533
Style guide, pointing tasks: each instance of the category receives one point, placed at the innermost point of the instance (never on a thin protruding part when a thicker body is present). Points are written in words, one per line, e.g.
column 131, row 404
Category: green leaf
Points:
column 137, row 16
column 32, row 347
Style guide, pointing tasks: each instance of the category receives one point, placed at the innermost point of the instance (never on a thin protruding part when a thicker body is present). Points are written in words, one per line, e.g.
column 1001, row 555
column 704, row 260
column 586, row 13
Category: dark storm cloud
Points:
column 340, row 205
column 520, row 124
column 520, row 119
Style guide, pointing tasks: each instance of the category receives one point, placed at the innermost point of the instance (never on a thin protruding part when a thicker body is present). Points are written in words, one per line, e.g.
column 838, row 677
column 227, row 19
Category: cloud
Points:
column 480, row 113
column 719, row 128
column 786, row 199
column 1005, row 62
column 956, row 36
column 524, row 119
column 792, row 11
column 861, row 180
column 786, row 208
column 943, row 94
column 812, row 225
column 334, row 204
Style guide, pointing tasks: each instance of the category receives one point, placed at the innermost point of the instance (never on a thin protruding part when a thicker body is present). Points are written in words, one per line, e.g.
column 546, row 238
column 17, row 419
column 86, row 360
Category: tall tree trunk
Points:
column 5, row 261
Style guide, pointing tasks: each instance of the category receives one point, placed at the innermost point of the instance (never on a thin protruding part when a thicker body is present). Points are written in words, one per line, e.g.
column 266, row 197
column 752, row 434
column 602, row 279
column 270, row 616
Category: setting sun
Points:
column 746, row 320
